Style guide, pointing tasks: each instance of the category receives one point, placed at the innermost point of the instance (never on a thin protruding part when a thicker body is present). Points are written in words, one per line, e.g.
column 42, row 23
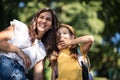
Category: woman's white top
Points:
column 21, row 39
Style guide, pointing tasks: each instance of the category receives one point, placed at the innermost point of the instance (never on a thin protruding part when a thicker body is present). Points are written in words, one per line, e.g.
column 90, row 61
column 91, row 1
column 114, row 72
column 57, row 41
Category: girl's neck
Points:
column 65, row 48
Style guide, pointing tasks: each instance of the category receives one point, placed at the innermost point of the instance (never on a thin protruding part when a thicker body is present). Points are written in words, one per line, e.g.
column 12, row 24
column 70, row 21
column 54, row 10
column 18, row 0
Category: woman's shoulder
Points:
column 18, row 24
column 19, row 27
column 21, row 33
column 15, row 21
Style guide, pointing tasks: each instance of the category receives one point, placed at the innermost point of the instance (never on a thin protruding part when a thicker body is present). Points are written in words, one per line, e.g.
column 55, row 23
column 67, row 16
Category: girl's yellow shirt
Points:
column 68, row 67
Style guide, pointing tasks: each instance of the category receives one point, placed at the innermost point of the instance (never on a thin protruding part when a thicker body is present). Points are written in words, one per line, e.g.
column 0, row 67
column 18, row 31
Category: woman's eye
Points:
column 40, row 17
column 49, row 19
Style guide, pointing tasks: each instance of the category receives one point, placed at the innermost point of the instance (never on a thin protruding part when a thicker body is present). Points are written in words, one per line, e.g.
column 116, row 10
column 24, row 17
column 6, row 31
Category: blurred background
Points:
column 100, row 18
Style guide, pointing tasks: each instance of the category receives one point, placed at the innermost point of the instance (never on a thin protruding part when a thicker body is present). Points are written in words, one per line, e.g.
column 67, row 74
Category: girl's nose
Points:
column 61, row 34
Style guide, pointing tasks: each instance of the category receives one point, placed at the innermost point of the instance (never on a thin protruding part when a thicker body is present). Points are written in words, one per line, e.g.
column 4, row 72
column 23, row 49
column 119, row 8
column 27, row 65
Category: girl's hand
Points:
column 65, row 42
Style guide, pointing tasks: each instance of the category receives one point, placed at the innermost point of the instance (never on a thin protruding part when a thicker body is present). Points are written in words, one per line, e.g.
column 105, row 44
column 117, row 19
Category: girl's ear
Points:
column 72, row 37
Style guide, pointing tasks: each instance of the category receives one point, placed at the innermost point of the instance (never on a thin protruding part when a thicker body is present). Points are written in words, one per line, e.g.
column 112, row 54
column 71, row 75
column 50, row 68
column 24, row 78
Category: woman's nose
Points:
column 44, row 20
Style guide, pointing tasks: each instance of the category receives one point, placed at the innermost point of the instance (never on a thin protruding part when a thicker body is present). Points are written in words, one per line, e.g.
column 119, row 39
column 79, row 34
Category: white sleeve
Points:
column 21, row 34
column 19, row 27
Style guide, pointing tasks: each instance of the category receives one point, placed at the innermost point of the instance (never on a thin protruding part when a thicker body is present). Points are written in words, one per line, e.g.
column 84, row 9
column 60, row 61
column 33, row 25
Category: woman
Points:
column 23, row 49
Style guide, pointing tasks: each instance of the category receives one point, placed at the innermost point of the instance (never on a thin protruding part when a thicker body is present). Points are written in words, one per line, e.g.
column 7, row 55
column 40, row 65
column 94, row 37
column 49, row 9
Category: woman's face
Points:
column 63, row 33
column 44, row 21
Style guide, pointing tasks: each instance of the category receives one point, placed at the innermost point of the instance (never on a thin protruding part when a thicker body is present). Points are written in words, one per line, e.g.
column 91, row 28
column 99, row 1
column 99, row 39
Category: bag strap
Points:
column 80, row 53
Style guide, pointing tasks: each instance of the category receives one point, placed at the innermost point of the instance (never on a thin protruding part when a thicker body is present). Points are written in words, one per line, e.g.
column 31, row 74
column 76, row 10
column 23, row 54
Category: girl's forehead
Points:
column 63, row 29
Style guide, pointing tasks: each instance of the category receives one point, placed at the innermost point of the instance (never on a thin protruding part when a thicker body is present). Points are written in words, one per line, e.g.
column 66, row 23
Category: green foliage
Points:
column 83, row 17
column 7, row 12
column 28, row 12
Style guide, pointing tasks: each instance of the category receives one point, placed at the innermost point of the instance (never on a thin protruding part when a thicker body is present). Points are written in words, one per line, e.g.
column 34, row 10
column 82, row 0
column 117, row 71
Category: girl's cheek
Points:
column 59, row 46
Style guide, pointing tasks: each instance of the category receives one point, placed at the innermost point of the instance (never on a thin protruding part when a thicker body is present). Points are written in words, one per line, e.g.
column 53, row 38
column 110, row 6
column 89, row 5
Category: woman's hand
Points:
column 26, row 59
column 7, row 47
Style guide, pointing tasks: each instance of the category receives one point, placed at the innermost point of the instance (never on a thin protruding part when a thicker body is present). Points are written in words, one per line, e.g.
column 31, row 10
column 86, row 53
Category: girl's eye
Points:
column 65, row 33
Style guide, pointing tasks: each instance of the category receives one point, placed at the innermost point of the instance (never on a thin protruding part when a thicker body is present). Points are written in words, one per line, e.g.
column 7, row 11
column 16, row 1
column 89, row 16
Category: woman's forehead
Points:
column 47, row 14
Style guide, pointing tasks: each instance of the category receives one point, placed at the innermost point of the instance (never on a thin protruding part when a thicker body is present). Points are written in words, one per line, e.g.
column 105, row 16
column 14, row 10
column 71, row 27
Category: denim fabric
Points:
column 11, row 69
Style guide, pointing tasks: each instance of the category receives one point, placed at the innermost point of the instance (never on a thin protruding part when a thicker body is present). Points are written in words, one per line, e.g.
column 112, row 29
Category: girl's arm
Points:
column 86, row 42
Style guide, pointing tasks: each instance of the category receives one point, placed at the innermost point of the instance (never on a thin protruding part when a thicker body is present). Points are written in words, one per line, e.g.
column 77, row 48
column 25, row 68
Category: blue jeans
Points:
column 11, row 69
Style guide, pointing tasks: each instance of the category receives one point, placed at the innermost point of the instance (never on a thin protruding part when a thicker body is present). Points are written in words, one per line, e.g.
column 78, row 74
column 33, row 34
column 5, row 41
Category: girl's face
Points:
column 44, row 21
column 63, row 33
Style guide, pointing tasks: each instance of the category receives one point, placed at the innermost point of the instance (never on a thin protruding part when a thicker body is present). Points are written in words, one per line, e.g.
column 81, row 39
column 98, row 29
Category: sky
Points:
column 116, row 40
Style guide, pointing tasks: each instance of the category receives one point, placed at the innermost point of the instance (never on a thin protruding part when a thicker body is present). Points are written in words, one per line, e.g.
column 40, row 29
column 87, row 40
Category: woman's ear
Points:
column 51, row 27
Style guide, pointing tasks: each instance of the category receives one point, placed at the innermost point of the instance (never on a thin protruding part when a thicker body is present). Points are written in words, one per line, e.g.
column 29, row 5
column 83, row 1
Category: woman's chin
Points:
column 41, row 29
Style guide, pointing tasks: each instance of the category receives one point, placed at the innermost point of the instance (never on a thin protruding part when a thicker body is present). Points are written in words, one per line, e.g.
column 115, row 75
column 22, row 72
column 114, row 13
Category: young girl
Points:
column 68, row 66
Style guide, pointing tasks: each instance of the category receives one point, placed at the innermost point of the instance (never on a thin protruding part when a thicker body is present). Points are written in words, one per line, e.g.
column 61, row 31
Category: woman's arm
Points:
column 38, row 71
column 6, row 35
